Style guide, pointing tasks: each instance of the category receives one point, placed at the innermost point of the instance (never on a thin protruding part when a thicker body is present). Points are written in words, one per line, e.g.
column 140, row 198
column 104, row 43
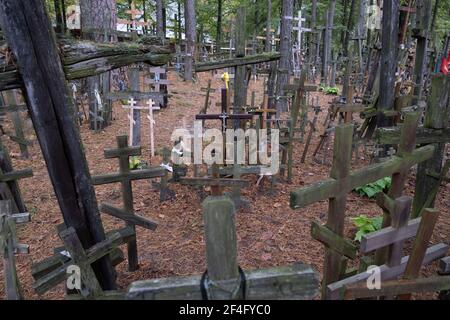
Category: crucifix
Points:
column 9, row 247
column 343, row 181
column 224, row 279
column 125, row 176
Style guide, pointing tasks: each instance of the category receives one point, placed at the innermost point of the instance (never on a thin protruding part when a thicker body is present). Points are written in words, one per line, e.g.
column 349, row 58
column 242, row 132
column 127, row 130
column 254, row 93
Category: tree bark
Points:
column 190, row 26
column 160, row 19
column 284, row 67
column 98, row 15
column 28, row 31
column 328, row 35
column 388, row 60
column 219, row 25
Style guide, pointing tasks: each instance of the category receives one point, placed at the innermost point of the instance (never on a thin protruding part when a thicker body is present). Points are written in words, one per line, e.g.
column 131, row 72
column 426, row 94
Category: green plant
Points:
column 137, row 164
column 370, row 190
column 332, row 90
column 366, row 225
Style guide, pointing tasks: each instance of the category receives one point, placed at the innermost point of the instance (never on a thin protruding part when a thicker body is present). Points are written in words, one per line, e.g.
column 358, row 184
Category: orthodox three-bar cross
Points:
column 343, row 181
column 125, row 176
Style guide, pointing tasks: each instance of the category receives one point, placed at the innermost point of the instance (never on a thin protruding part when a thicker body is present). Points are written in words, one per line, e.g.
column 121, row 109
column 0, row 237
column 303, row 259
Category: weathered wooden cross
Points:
column 9, row 247
column 224, row 279
column 125, row 176
column 75, row 261
column 312, row 129
column 397, row 265
column 343, row 181
column 159, row 79
column 14, row 108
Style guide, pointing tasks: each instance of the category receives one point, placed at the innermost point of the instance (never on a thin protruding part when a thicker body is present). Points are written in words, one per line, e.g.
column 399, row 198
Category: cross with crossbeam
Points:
column 393, row 238
column 125, row 176
column 9, row 246
column 224, row 279
column 343, row 181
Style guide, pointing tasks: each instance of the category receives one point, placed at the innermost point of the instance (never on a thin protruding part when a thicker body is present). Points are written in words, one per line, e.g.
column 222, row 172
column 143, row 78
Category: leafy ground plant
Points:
column 370, row 190
column 366, row 225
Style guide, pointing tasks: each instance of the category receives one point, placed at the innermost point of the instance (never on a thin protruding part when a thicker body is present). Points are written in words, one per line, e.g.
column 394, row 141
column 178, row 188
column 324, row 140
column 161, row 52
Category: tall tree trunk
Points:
column 190, row 26
column 100, row 15
column 345, row 51
column 284, row 67
column 160, row 20
column 327, row 39
column 219, row 25
column 269, row 26
column 179, row 21
column 27, row 29
column 313, row 25
column 388, row 60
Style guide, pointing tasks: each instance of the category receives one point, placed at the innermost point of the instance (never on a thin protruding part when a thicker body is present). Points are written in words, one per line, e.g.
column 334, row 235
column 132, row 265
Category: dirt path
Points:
column 269, row 232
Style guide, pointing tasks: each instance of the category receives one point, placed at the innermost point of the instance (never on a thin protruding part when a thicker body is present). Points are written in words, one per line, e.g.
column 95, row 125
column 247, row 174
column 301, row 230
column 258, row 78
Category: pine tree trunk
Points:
column 284, row 67
column 99, row 15
column 190, row 26
column 219, row 25
column 160, row 20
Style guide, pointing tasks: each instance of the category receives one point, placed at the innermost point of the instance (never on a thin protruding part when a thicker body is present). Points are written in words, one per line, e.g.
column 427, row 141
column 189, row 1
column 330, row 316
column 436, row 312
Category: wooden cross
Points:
column 208, row 91
column 301, row 88
column 13, row 108
column 343, row 181
column 158, row 79
column 393, row 237
column 297, row 51
column 125, row 176
column 9, row 247
column 151, row 108
column 51, row 272
column 312, row 129
column 224, row 279
column 9, row 187
column 133, row 13
column 132, row 106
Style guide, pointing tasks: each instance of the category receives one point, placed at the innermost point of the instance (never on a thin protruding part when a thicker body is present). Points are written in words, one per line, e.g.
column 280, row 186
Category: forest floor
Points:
column 269, row 232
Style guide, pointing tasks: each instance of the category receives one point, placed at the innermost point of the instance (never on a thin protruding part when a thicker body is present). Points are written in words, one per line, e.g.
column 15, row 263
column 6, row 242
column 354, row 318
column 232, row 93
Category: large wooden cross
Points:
column 9, row 247
column 224, row 279
column 393, row 237
column 125, row 176
column 54, row 270
column 159, row 78
column 343, row 181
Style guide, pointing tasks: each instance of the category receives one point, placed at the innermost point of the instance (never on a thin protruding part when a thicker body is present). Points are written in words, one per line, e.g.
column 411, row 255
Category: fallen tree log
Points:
column 83, row 59
column 236, row 62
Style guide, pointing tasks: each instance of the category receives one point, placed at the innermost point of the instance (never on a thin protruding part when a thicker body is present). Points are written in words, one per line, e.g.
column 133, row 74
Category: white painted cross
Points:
column 151, row 107
column 132, row 106
column 297, row 52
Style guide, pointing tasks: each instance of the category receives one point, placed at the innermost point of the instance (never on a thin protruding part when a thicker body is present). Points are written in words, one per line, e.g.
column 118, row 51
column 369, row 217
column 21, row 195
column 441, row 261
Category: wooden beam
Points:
column 297, row 282
column 330, row 187
column 424, row 135
column 83, row 59
column 379, row 239
column 235, row 62
column 335, row 290
column 128, row 217
column 333, row 241
column 399, row 287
